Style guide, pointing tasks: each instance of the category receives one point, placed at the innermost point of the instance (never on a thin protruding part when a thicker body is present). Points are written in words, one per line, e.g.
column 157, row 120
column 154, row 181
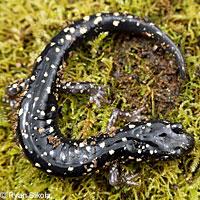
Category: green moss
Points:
column 25, row 29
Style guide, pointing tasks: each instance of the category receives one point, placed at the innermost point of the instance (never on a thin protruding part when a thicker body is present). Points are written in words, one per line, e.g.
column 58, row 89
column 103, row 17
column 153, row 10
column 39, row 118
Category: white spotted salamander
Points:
column 37, row 127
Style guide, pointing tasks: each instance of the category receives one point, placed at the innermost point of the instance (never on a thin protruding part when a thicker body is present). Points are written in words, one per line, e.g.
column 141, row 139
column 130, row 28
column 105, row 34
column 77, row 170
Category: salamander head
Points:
column 163, row 140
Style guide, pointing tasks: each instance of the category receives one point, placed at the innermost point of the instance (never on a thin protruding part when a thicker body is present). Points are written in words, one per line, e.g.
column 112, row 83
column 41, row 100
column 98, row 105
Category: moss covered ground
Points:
column 138, row 72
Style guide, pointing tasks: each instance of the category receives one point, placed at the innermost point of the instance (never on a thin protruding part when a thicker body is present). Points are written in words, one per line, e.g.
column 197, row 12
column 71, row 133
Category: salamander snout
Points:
column 185, row 142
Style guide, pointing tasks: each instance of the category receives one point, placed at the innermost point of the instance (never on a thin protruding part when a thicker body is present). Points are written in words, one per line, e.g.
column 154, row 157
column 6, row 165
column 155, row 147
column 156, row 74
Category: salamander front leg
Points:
column 14, row 89
column 121, row 179
column 95, row 92
column 17, row 87
column 127, row 116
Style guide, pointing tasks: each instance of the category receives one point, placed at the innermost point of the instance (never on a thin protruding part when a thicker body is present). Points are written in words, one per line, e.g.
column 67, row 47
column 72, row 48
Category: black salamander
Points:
column 37, row 127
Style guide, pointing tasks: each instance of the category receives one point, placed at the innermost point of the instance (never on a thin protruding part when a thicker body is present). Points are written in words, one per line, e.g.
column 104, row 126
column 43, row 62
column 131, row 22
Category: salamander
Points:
column 140, row 140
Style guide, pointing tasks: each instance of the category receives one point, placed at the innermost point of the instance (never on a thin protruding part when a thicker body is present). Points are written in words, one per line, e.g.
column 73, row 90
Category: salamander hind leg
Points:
column 96, row 92
column 12, row 90
column 122, row 178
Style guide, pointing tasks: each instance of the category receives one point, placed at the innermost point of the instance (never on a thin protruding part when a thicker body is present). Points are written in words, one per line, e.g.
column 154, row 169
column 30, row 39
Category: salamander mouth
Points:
column 189, row 145
column 185, row 147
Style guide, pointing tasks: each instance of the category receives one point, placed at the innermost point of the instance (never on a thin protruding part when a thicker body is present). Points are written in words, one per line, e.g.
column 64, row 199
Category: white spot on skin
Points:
column 97, row 20
column 39, row 59
column 22, row 84
column 68, row 37
column 166, row 157
column 76, row 151
column 36, row 98
column 42, row 113
column 138, row 159
column 115, row 23
column 62, row 40
column 14, row 85
column 85, row 156
column 70, row 169
column 47, row 58
column 49, row 121
column 66, row 29
column 52, row 44
column 28, row 96
column 138, row 24
column 116, row 14
column 53, row 66
column 131, row 158
column 25, row 135
column 111, row 152
column 49, row 171
column 124, row 139
column 53, row 108
column 51, row 129
column 89, row 170
column 139, row 151
column 72, row 30
column 48, row 89
column 151, row 152
column 33, row 78
column 83, row 30
column 88, row 148
column 102, row 145
column 45, row 153
column 46, row 74
column 131, row 126
column 37, row 165
column 81, row 145
column 148, row 124
column 57, row 50
column 51, row 152
column 21, row 111
column 49, row 164
column 91, row 165
column 86, row 18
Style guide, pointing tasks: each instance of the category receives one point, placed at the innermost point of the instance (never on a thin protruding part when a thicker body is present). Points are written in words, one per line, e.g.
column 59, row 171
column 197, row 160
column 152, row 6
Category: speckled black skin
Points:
column 37, row 128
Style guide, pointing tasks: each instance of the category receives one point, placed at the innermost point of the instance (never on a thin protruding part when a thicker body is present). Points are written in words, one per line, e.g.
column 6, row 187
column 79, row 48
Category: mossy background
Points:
column 25, row 29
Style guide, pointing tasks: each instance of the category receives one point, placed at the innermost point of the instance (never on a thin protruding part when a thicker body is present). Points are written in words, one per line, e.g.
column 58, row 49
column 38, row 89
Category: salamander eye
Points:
column 163, row 135
column 177, row 128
